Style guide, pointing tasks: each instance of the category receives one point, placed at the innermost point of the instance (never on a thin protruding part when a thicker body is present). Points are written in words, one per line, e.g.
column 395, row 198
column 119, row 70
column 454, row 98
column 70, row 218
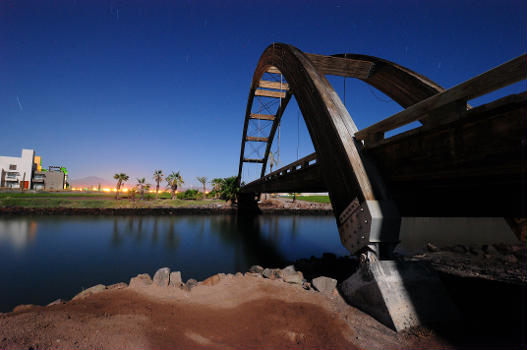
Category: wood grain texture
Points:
column 269, row 93
column 273, row 85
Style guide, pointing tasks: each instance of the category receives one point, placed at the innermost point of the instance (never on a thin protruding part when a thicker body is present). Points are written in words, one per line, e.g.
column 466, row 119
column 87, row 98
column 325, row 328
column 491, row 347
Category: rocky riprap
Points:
column 495, row 262
column 165, row 278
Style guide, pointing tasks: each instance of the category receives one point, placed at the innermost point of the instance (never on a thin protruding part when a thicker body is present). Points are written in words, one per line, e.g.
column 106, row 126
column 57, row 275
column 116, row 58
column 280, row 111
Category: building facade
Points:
column 25, row 172
column 17, row 172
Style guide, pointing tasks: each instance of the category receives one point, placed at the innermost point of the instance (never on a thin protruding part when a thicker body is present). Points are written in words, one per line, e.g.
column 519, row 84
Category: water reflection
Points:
column 18, row 233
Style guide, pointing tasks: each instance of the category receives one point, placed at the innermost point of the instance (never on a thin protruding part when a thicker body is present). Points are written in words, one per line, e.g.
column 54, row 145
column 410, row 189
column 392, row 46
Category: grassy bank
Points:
column 92, row 200
column 316, row 199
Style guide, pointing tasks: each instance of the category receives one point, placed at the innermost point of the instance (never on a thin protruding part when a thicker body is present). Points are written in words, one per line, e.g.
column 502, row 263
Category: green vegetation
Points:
column 228, row 188
column 174, row 180
column 158, row 177
column 203, row 181
column 120, row 177
column 317, row 199
column 78, row 200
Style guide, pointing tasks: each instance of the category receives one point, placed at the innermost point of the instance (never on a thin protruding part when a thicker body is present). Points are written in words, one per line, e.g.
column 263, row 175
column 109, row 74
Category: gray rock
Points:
column 162, row 277
column 511, row 259
column 489, row 249
column 432, row 248
column 256, row 269
column 92, row 290
column 324, row 284
column 287, row 271
column 175, row 279
column 119, row 285
column 56, row 302
column 460, row 248
column 140, row 280
column 191, row 282
column 296, row 278
column 267, row 273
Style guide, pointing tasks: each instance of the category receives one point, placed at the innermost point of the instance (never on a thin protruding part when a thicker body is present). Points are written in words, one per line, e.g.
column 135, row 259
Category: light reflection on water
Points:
column 43, row 258
column 47, row 257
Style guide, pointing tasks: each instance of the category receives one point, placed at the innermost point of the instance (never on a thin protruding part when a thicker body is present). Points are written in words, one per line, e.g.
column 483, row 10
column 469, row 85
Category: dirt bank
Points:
column 238, row 311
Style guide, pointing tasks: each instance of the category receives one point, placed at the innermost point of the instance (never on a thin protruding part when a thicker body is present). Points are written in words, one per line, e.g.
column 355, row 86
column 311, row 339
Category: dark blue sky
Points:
column 132, row 86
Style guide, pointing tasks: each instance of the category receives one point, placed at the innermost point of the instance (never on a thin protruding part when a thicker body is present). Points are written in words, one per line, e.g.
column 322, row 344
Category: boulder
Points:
column 162, row 277
column 270, row 273
column 140, row 280
column 212, row 280
column 119, row 285
column 256, row 269
column 324, row 284
column 286, row 271
column 432, row 248
column 511, row 259
column 296, row 278
column 56, row 302
column 191, row 282
column 238, row 274
column 175, row 279
column 92, row 290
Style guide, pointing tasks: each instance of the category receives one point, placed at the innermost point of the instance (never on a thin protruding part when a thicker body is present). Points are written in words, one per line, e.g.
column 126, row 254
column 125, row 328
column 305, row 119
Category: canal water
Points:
column 43, row 258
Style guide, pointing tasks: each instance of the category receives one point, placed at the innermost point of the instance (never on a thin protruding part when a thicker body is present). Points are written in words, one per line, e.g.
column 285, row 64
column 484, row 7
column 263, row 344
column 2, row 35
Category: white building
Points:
column 17, row 172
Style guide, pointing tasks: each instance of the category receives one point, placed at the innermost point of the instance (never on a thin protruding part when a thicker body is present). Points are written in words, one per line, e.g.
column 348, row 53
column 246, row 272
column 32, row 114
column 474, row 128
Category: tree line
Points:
column 222, row 188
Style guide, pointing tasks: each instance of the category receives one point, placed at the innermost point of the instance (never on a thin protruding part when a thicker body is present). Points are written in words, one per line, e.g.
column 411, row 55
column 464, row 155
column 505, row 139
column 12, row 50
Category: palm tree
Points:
column 142, row 186
column 203, row 181
column 174, row 180
column 216, row 186
column 158, row 177
column 120, row 177
column 131, row 193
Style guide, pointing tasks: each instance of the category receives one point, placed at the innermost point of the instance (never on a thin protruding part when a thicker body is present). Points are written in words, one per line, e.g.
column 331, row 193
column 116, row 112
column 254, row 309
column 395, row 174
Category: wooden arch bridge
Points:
column 461, row 161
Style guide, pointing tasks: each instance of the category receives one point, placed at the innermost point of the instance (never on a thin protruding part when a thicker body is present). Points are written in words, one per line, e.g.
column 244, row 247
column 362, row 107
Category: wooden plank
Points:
column 279, row 114
column 252, row 160
column 496, row 78
column 273, row 85
column 262, row 116
column 269, row 93
column 273, row 70
column 256, row 139
column 343, row 67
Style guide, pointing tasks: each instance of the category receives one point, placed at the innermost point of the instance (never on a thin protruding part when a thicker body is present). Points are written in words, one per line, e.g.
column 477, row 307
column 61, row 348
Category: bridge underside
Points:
column 467, row 167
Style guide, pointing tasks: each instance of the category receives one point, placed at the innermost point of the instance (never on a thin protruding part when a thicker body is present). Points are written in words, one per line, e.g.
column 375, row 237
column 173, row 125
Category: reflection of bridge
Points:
column 461, row 161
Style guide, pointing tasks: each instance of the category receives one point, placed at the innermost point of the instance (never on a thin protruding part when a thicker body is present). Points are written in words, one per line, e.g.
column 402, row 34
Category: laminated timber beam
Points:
column 269, row 93
column 273, row 70
column 256, row 139
column 262, row 116
column 252, row 160
column 276, row 85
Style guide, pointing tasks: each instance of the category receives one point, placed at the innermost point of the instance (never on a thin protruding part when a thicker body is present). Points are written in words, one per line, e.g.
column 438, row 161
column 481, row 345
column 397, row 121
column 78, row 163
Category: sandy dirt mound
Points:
column 236, row 312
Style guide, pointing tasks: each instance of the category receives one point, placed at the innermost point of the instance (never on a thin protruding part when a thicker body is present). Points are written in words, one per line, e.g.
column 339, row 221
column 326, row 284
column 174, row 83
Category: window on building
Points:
column 12, row 166
column 12, row 175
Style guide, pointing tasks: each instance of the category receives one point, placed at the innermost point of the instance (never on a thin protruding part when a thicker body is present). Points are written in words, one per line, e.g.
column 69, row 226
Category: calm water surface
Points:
column 45, row 258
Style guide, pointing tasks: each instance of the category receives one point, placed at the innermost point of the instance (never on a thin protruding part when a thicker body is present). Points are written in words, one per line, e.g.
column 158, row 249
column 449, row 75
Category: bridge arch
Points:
column 351, row 180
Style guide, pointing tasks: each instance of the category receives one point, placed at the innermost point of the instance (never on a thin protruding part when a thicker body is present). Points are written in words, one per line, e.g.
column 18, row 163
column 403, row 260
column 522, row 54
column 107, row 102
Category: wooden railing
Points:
column 452, row 99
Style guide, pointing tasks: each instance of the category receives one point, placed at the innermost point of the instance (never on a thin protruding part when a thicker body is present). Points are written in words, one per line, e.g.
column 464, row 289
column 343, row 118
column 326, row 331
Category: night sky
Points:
column 133, row 86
